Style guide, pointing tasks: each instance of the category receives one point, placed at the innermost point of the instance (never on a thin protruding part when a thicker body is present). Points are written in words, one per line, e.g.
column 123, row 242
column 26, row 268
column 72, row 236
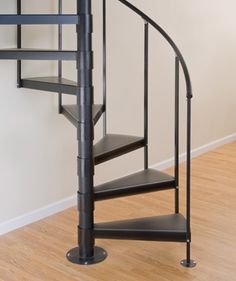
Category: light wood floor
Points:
column 37, row 252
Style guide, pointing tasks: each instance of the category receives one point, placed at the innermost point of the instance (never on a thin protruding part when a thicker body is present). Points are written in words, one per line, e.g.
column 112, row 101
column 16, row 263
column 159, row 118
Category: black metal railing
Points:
column 146, row 89
column 168, row 39
column 60, row 62
column 19, row 45
column 104, row 69
column 179, row 60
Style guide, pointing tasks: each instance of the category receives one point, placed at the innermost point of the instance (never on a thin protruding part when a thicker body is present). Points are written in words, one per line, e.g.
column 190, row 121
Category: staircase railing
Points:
column 179, row 60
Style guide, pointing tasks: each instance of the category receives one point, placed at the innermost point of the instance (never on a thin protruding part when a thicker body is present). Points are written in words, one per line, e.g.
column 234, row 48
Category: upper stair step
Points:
column 37, row 54
column 50, row 84
column 142, row 182
column 113, row 145
column 72, row 114
column 170, row 228
column 7, row 19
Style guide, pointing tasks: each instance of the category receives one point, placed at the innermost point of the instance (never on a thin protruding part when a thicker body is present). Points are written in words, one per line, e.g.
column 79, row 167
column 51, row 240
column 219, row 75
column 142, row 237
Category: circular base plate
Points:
column 192, row 263
column 99, row 255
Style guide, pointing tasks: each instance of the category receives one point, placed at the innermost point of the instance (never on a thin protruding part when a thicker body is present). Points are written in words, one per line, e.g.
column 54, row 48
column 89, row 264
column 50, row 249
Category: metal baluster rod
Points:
column 188, row 262
column 176, row 135
column 188, row 170
column 19, row 35
column 60, row 62
column 146, row 90
column 104, row 69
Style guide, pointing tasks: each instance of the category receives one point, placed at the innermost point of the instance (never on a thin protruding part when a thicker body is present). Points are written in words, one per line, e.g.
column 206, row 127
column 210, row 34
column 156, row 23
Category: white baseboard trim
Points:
column 196, row 152
column 69, row 202
column 37, row 215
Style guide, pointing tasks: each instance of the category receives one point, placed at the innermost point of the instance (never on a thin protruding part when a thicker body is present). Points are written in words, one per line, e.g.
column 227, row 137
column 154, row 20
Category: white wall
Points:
column 38, row 147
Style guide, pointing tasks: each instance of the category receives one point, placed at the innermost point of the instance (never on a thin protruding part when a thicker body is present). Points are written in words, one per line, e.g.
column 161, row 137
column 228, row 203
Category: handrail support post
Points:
column 19, row 45
column 104, row 68
column 146, row 90
column 60, row 62
column 188, row 262
column 176, row 135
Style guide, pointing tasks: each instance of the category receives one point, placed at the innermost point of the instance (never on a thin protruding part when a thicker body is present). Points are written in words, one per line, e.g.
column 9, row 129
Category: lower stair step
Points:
column 50, row 84
column 72, row 114
column 113, row 145
column 171, row 228
column 142, row 182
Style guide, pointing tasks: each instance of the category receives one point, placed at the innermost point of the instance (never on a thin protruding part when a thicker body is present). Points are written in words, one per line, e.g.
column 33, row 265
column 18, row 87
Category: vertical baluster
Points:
column 60, row 62
column 176, row 135
column 146, row 90
column 19, row 34
column 188, row 262
column 104, row 69
column 188, row 174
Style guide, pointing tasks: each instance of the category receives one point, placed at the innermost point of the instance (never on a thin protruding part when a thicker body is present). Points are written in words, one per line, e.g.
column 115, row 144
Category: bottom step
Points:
column 170, row 228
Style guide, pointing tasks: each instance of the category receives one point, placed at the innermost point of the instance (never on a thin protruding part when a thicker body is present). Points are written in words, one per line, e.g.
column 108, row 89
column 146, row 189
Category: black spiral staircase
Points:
column 85, row 114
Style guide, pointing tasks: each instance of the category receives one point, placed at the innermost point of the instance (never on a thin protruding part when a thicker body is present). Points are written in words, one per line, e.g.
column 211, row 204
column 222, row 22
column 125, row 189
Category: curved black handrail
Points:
column 169, row 40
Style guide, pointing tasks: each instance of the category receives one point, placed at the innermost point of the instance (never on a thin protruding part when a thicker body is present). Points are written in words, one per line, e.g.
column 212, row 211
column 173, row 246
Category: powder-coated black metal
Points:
column 20, row 19
column 60, row 62
column 104, row 67
column 177, row 135
column 74, row 256
column 71, row 113
column 189, row 96
column 51, row 84
column 161, row 228
column 188, row 263
column 85, row 129
column 188, row 181
column 146, row 88
column 18, row 34
column 168, row 39
column 85, row 253
column 113, row 145
column 149, row 180
column 35, row 54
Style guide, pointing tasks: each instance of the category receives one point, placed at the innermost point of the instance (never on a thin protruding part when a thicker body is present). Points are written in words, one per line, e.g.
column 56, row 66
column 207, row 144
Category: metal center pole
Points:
column 85, row 253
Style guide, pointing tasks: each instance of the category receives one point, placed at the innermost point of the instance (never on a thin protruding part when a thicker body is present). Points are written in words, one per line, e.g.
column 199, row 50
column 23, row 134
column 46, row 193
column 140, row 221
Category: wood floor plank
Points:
column 37, row 252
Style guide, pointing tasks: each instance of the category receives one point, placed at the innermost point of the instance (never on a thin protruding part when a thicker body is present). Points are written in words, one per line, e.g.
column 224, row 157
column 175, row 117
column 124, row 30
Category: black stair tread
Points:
column 53, row 79
column 113, row 145
column 71, row 112
column 159, row 228
column 166, row 223
column 37, row 54
column 50, row 84
column 13, row 19
column 144, row 181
